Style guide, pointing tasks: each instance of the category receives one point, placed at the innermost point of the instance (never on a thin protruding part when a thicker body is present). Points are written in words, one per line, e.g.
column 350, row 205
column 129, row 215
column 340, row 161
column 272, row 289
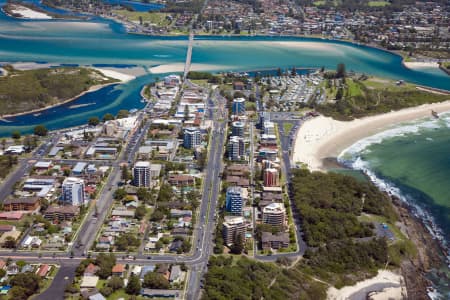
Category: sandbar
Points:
column 27, row 13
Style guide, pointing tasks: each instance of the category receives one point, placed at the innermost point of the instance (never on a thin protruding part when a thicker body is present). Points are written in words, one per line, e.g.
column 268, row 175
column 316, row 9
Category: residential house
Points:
column 118, row 270
column 175, row 274
column 43, row 270
column 90, row 270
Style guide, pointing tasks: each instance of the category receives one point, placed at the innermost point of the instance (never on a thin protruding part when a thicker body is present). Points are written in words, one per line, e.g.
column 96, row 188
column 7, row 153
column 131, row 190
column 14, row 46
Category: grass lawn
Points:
column 156, row 18
column 378, row 3
column 200, row 82
column 287, row 127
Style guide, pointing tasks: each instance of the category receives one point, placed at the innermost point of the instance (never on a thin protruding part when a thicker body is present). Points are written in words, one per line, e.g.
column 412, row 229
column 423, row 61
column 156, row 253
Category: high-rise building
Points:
column 73, row 191
column 269, row 128
column 141, row 174
column 238, row 129
column 234, row 200
column 231, row 227
column 238, row 106
column 271, row 177
column 236, row 148
column 274, row 214
column 192, row 138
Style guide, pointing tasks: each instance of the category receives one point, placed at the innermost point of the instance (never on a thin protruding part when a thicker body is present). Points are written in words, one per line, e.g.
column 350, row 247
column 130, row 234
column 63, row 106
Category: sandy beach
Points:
column 384, row 280
column 27, row 13
column 179, row 67
column 115, row 74
column 418, row 65
column 322, row 137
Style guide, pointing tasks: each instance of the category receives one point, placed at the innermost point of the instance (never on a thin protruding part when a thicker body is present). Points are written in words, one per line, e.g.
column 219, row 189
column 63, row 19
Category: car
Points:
column 149, row 257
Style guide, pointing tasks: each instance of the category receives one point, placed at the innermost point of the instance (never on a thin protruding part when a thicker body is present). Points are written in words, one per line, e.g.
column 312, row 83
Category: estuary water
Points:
column 105, row 42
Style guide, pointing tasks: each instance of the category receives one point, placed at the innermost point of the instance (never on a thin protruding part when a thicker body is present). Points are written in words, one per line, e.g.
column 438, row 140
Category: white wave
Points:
column 397, row 131
column 357, row 163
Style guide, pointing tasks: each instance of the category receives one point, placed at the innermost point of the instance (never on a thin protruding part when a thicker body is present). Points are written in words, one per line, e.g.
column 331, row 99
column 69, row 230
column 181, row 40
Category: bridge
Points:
column 187, row 65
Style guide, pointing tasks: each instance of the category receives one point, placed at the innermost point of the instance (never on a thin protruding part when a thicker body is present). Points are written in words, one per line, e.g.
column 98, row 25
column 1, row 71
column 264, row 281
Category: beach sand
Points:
column 384, row 279
column 27, row 13
column 322, row 137
column 179, row 67
column 419, row 65
column 122, row 76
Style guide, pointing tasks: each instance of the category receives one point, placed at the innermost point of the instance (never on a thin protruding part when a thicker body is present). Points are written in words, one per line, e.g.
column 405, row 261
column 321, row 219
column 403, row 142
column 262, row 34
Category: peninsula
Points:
column 34, row 90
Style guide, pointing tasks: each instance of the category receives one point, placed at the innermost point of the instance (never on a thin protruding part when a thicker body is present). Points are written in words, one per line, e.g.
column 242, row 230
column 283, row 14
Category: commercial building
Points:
column 271, row 177
column 236, row 148
column 234, row 200
column 274, row 214
column 73, row 191
column 141, row 174
column 231, row 227
column 192, row 138
column 238, row 106
column 238, row 129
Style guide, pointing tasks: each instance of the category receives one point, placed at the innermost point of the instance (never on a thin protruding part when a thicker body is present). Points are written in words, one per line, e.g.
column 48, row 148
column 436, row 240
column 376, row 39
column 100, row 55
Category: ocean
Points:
column 412, row 160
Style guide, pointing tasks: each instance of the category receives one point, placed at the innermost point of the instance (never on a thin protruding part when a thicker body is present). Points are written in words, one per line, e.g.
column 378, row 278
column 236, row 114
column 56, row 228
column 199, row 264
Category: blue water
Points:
column 105, row 43
column 137, row 6
column 412, row 160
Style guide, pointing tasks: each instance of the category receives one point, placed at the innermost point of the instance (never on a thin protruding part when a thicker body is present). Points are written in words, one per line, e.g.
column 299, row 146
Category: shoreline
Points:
column 323, row 138
column 121, row 77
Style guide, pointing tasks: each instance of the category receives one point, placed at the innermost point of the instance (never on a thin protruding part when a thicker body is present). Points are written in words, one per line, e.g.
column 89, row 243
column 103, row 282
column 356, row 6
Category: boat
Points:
column 434, row 114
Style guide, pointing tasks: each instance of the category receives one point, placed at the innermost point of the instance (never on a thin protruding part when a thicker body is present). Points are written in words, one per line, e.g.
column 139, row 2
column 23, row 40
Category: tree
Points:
column 94, row 121
column 340, row 71
column 2, row 273
column 15, row 134
column 119, row 194
column 19, row 293
column 108, row 117
column 140, row 212
column 40, row 130
column 133, row 286
column 28, row 282
column 125, row 173
column 154, row 280
column 143, row 195
column 238, row 244
column 106, row 263
column 123, row 113
column 115, row 283
column 10, row 242
column 339, row 94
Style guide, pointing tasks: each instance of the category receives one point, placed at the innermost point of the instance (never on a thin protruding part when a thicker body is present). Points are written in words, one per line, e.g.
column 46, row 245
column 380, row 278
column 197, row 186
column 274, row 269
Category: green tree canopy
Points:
column 40, row 130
